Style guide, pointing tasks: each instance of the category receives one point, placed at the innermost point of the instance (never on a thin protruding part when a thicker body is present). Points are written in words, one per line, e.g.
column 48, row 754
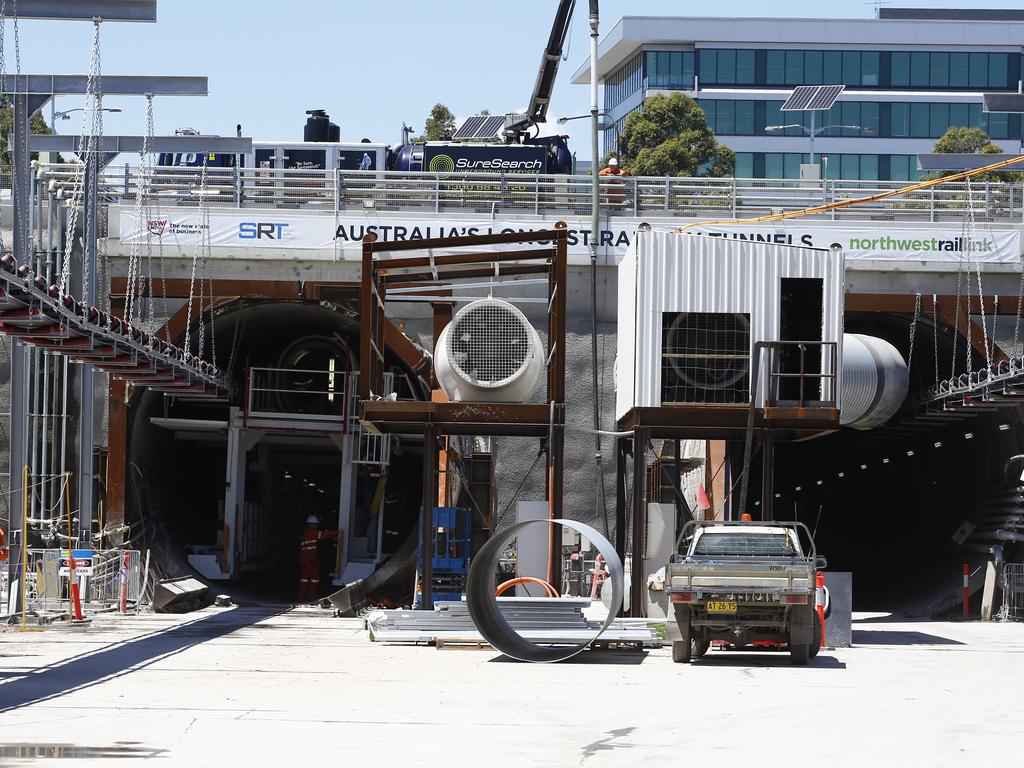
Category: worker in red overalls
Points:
column 309, row 571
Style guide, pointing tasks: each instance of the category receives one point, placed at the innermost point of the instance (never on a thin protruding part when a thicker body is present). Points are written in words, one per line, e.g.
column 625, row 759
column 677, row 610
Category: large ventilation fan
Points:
column 489, row 352
column 706, row 357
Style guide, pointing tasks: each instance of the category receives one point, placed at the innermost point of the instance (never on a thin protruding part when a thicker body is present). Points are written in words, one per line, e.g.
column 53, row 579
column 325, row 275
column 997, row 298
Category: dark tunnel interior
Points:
column 885, row 503
column 177, row 469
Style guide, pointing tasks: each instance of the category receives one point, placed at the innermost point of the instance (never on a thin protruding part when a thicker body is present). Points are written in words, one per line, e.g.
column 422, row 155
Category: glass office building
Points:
column 907, row 81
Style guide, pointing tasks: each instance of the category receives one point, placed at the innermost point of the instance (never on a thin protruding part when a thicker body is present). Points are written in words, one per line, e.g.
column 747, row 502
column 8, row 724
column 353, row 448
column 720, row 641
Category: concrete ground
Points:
column 262, row 687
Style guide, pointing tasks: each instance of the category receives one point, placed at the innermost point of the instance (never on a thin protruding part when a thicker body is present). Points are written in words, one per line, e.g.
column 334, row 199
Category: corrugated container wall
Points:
column 666, row 271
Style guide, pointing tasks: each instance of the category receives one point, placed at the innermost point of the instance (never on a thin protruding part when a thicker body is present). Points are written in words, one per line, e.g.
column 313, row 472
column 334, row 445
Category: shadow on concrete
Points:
column 87, row 669
column 765, row 659
column 899, row 637
column 607, row 744
column 590, row 658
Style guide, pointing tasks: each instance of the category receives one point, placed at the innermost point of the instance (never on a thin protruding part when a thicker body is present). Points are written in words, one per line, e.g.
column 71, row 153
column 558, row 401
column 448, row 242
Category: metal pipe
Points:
column 492, row 624
column 595, row 228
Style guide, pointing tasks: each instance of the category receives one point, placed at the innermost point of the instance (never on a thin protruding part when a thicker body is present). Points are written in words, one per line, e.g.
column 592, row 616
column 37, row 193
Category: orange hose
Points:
column 870, row 199
column 505, row 586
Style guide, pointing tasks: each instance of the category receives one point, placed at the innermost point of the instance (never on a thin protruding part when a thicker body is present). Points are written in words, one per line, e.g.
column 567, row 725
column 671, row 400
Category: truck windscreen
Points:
column 756, row 544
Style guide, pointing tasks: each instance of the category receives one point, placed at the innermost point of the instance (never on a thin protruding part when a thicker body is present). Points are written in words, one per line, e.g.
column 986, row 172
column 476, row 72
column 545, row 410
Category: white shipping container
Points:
column 669, row 272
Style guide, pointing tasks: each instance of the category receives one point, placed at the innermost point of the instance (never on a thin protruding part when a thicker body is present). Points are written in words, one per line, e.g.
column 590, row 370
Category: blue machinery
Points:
column 452, row 529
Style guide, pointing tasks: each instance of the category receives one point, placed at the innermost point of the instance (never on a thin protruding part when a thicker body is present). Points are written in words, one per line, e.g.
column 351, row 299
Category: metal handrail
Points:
column 543, row 194
column 828, row 372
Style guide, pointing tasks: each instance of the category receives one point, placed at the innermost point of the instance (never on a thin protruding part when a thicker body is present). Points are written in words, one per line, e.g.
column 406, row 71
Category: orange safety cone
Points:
column 819, row 604
column 123, row 575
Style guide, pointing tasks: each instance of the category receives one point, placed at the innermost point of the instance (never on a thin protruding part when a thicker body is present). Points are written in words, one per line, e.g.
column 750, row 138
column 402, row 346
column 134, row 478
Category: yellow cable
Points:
column 870, row 199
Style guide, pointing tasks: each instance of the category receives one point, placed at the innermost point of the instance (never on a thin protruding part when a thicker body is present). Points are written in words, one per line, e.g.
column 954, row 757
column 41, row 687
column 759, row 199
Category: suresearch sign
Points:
column 469, row 158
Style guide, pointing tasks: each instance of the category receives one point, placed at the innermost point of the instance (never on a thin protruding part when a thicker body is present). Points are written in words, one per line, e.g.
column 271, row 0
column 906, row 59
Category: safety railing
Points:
column 45, row 586
column 544, row 195
column 1013, row 592
column 800, row 374
column 290, row 393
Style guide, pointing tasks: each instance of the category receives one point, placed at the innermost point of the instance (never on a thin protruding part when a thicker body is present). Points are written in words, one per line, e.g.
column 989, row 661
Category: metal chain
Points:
column 995, row 321
column 195, row 263
column 977, row 262
column 3, row 94
column 1020, row 301
column 935, row 334
column 86, row 145
column 956, row 315
column 136, row 284
column 913, row 330
column 148, row 210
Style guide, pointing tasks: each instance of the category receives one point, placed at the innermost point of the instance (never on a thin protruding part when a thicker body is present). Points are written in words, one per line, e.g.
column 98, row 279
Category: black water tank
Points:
column 319, row 127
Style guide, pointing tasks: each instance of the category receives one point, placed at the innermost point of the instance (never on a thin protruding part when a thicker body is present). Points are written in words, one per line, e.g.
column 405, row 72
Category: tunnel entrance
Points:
column 890, row 504
column 228, row 488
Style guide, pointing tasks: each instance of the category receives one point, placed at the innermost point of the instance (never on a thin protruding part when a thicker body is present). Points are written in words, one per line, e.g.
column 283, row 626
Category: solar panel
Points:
column 800, row 98
column 806, row 98
column 492, row 126
column 470, row 127
column 480, row 127
column 1002, row 102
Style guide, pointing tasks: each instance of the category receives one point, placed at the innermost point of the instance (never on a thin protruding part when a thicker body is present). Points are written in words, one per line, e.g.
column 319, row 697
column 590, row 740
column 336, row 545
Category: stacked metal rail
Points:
column 41, row 316
column 555, row 621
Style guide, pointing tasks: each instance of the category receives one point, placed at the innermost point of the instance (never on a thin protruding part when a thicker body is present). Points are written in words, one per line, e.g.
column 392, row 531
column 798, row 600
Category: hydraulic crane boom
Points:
column 516, row 125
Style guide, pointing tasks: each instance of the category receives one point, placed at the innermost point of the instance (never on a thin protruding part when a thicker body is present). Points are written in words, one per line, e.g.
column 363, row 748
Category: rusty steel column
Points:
column 427, row 515
column 767, row 474
column 637, row 581
column 621, row 453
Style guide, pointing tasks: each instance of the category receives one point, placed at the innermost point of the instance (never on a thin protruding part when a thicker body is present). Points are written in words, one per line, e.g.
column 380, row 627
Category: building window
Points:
column 794, row 67
column 776, row 68
column 744, row 165
column 812, row 67
column 899, row 75
column 870, row 68
column 939, row 76
column 919, row 66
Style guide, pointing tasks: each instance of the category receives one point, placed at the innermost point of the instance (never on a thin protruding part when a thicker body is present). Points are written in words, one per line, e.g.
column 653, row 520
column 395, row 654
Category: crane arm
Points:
column 538, row 109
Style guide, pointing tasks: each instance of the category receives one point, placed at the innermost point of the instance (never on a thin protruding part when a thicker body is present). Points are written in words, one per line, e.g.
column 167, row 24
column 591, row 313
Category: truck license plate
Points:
column 721, row 606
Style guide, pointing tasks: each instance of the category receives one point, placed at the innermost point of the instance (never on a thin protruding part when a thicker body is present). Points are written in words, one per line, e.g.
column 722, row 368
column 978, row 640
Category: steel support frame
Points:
column 87, row 10
column 434, row 419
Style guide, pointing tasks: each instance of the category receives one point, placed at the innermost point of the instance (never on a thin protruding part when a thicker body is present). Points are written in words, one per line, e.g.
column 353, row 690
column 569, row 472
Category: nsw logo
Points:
column 156, row 227
column 258, row 230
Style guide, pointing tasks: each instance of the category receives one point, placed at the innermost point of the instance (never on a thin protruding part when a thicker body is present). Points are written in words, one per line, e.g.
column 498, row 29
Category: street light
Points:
column 813, row 132
column 610, row 125
column 66, row 114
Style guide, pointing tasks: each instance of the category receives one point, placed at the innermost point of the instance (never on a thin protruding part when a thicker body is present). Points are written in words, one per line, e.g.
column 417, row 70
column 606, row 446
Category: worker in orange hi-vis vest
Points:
column 309, row 573
column 614, row 191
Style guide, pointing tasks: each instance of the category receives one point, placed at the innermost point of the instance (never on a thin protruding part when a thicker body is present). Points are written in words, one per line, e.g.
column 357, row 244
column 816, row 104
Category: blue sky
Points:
column 370, row 64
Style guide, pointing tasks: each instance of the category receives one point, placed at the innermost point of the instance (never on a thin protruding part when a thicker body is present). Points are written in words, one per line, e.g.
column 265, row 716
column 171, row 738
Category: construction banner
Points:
column 275, row 234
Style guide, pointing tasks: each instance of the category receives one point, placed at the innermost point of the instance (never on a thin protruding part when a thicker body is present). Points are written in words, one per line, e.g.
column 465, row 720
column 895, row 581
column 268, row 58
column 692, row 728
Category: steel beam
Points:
column 86, row 10
column 109, row 85
column 116, row 144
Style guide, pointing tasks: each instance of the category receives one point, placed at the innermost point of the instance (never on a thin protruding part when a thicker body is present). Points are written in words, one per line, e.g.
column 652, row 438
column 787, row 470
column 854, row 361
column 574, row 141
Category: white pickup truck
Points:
column 743, row 582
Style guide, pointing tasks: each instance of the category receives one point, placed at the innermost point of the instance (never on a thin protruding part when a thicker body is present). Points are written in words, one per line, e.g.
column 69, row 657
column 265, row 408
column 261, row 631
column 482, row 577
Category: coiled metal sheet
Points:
column 483, row 605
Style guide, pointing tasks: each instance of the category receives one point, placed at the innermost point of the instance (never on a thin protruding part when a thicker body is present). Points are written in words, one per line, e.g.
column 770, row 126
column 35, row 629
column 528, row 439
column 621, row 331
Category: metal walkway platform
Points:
column 39, row 315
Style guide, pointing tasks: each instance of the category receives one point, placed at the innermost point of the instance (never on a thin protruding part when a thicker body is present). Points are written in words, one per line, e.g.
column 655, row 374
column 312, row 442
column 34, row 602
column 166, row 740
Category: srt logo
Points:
column 252, row 230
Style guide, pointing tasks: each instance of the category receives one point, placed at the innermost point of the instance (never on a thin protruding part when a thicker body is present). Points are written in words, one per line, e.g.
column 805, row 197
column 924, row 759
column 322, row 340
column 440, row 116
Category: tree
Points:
column 37, row 123
column 969, row 141
column 670, row 137
column 440, row 124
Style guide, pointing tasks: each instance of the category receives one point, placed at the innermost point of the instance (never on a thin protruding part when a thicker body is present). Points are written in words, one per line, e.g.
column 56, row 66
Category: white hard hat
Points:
column 312, row 520
column 613, row 162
